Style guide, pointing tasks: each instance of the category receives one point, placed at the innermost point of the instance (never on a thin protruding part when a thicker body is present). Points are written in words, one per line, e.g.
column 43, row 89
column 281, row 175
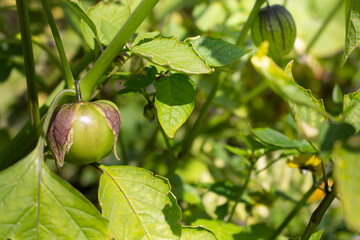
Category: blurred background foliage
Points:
column 207, row 181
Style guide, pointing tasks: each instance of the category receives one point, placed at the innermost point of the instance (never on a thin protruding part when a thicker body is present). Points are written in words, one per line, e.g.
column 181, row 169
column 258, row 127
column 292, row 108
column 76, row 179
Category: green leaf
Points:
column 332, row 132
column 172, row 54
column 174, row 101
column 108, row 19
column 352, row 40
column 317, row 235
column 302, row 105
column 351, row 109
column 145, row 37
column 195, row 233
column 79, row 10
column 217, row 52
column 141, row 80
column 46, row 208
column 277, row 139
column 93, row 76
column 347, row 176
column 138, row 204
column 224, row 231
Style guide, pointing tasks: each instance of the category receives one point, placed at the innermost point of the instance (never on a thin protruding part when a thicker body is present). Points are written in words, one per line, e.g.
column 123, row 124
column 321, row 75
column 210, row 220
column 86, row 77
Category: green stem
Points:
column 174, row 160
column 32, row 95
column 242, row 190
column 89, row 82
column 244, row 31
column 64, row 62
column 318, row 214
column 293, row 213
column 254, row 92
column 187, row 142
column 324, row 25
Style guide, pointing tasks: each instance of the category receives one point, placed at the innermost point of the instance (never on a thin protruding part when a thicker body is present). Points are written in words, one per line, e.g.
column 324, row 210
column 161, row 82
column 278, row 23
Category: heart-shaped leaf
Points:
column 138, row 204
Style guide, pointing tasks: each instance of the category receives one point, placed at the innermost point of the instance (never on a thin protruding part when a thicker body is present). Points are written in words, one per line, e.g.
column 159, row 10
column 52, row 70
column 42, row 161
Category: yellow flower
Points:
column 308, row 162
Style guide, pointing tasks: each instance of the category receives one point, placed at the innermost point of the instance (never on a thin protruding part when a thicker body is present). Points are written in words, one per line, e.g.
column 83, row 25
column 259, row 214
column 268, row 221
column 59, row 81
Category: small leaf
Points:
column 138, row 204
column 174, row 100
column 337, row 94
column 224, row 231
column 141, row 80
column 347, row 176
column 302, row 105
column 317, row 235
column 275, row 138
column 352, row 40
column 197, row 233
column 108, row 19
column 172, row 54
column 217, row 52
column 79, row 10
column 351, row 109
column 46, row 208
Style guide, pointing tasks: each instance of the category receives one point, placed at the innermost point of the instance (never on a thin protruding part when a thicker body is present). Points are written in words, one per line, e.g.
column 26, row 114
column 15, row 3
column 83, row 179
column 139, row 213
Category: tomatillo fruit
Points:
column 276, row 25
column 84, row 132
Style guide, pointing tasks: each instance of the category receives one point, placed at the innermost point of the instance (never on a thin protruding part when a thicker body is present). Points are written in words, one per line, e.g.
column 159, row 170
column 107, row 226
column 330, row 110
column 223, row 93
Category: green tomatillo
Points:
column 276, row 25
column 84, row 132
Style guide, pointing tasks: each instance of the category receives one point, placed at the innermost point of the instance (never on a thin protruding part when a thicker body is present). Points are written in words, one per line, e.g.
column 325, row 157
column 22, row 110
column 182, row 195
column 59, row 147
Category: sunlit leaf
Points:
column 195, row 233
column 46, row 208
column 351, row 109
column 347, row 176
column 224, row 231
column 108, row 19
column 174, row 101
column 172, row 54
column 217, row 52
column 352, row 40
column 302, row 105
column 275, row 138
column 138, row 204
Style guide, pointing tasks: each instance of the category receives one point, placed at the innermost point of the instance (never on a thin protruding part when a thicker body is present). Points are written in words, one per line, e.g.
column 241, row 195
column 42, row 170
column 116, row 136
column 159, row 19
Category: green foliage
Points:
column 352, row 12
column 29, row 189
column 347, row 160
column 138, row 204
column 224, row 128
column 172, row 54
column 175, row 96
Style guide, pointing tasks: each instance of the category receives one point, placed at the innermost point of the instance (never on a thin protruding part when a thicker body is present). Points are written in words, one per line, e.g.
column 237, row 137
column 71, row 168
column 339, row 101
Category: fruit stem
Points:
column 78, row 92
column 241, row 39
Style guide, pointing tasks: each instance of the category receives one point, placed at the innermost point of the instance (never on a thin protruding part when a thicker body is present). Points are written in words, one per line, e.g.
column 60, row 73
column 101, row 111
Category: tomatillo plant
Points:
column 84, row 132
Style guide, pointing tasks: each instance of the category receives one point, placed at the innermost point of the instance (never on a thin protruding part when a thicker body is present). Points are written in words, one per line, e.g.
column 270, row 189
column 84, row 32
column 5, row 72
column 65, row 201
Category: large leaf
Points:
column 224, row 231
column 279, row 140
column 351, row 109
column 172, row 54
column 347, row 176
column 138, row 204
column 352, row 40
column 195, row 233
column 303, row 106
column 217, row 52
column 108, row 19
column 175, row 96
column 43, row 206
